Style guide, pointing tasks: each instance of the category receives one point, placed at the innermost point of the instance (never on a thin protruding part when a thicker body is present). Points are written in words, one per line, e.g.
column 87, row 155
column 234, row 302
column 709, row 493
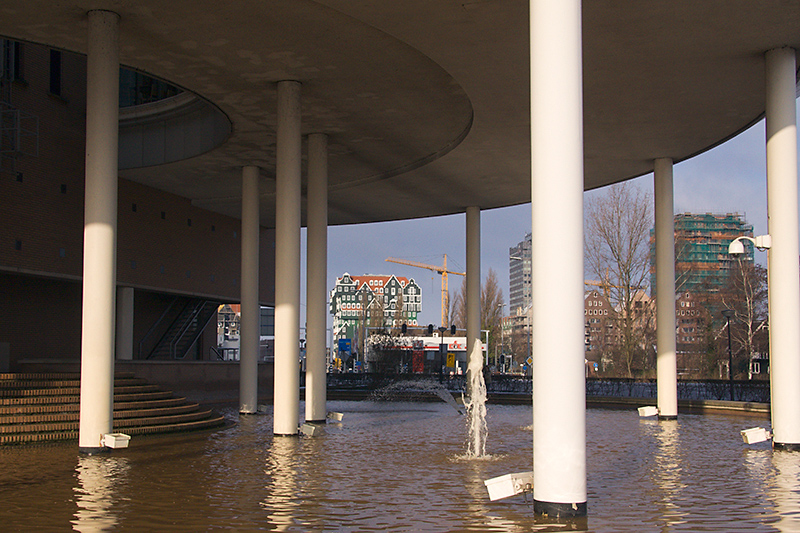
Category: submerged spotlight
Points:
column 648, row 410
column 754, row 435
column 311, row 430
column 115, row 440
column 509, row 485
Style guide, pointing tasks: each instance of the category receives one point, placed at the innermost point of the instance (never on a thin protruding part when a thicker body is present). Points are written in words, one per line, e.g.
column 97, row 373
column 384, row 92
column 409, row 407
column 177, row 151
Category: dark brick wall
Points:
column 165, row 245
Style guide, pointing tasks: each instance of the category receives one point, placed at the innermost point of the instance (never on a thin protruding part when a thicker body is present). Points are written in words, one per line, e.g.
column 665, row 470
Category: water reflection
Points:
column 99, row 477
column 401, row 467
column 666, row 473
column 284, row 496
column 785, row 490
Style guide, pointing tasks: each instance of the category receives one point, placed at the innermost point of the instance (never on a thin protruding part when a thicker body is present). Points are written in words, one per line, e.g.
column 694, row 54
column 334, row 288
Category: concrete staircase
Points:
column 45, row 407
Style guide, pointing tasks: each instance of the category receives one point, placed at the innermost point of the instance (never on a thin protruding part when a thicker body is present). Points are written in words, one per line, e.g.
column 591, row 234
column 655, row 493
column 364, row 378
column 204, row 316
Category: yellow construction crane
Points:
column 442, row 271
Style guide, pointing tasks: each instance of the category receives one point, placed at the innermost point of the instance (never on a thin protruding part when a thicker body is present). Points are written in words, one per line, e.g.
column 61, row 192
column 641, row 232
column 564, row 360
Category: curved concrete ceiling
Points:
column 426, row 102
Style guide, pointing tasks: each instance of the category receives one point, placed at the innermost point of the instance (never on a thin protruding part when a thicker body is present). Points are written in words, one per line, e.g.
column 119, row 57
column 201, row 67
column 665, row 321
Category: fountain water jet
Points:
column 476, row 409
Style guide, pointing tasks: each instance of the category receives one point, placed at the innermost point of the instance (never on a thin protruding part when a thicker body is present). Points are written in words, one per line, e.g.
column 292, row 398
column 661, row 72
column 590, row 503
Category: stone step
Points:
column 72, row 391
column 214, row 422
column 56, row 375
column 125, row 423
column 45, row 407
column 26, row 426
column 73, row 415
column 75, row 407
column 12, row 384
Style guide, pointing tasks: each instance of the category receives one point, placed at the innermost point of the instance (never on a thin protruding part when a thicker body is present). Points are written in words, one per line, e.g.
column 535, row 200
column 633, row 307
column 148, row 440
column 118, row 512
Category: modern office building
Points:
column 519, row 275
column 702, row 261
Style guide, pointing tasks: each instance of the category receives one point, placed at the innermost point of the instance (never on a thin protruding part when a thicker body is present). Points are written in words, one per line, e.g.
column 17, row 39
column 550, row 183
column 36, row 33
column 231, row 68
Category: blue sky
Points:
column 729, row 178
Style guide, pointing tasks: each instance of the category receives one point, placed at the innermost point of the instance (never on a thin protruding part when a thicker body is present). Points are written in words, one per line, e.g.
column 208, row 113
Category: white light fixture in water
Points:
column 332, row 415
column 115, row 440
column 754, row 435
column 509, row 485
column 310, row 430
column 648, row 410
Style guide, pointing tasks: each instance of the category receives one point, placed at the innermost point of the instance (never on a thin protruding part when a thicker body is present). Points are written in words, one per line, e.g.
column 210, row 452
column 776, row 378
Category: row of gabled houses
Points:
column 373, row 301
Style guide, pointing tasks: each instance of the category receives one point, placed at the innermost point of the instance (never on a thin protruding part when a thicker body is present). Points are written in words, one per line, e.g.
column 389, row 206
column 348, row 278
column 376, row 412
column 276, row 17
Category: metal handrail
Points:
column 173, row 345
column 155, row 325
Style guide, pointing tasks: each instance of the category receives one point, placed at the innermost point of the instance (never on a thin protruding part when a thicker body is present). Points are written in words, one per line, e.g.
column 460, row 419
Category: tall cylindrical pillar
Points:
column 666, row 361
column 124, row 334
column 476, row 386
column 250, row 327
column 287, row 261
column 473, row 303
column 316, row 277
column 100, row 231
column 559, row 397
column 783, row 279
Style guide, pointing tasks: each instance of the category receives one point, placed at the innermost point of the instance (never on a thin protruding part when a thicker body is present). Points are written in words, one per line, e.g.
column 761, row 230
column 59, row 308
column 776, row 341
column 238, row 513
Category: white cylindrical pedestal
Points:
column 559, row 397
column 100, row 231
column 316, row 278
column 666, row 362
column 287, row 261
column 783, row 279
column 250, row 328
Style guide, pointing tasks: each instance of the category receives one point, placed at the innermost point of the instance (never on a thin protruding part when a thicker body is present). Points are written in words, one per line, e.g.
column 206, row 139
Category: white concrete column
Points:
column 250, row 327
column 783, row 280
column 666, row 362
column 316, row 278
column 476, row 386
column 124, row 335
column 100, row 231
column 287, row 261
column 473, row 303
column 559, row 390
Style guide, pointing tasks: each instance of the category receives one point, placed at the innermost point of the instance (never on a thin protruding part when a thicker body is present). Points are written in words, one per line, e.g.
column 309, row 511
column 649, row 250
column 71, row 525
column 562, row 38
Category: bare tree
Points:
column 491, row 306
column 458, row 307
column 745, row 293
column 617, row 251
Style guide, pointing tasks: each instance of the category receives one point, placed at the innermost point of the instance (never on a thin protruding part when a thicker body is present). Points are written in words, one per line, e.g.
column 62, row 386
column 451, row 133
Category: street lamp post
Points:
column 442, row 352
column 736, row 247
column 502, row 336
column 728, row 314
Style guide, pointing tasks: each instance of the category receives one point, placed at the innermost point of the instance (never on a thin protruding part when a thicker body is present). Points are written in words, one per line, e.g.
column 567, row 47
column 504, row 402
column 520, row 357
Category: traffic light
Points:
column 430, row 329
column 453, row 330
column 404, row 328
